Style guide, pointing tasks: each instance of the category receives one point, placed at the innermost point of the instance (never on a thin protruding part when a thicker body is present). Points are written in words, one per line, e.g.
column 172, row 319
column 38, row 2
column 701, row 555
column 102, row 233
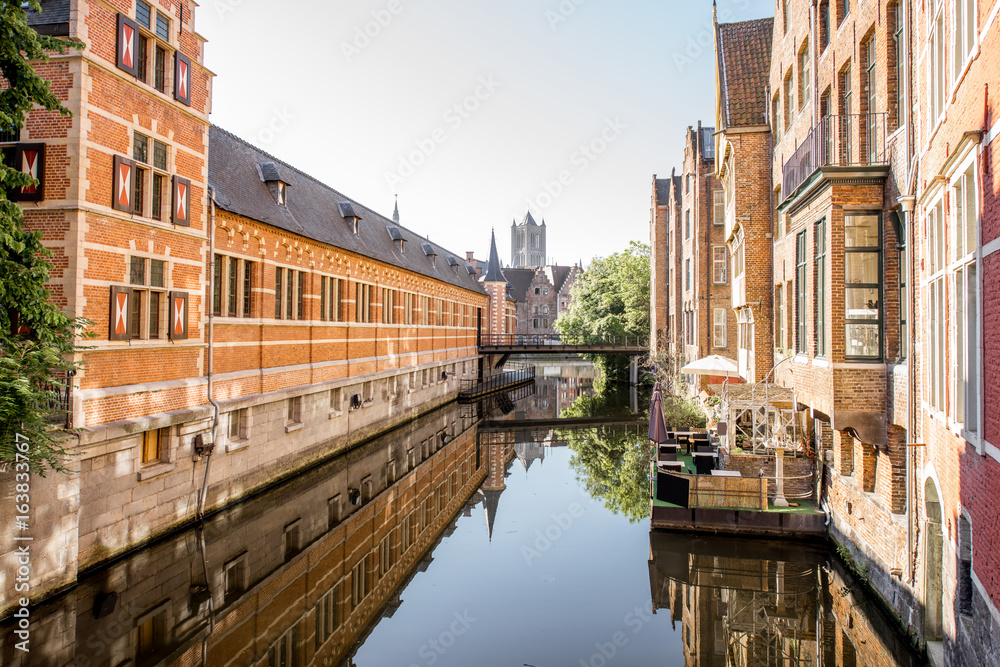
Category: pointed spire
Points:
column 395, row 213
column 493, row 272
column 491, row 503
column 530, row 221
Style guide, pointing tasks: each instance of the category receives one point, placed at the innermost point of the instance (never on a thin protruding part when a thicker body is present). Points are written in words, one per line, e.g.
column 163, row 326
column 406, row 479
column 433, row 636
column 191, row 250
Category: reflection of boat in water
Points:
column 748, row 602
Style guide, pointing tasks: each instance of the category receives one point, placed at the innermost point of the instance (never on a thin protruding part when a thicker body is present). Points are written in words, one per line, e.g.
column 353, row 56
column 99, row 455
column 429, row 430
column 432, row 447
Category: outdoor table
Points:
column 670, row 466
column 726, row 473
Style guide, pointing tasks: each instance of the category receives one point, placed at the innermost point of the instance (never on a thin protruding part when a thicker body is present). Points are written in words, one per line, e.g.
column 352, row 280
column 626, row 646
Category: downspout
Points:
column 209, row 351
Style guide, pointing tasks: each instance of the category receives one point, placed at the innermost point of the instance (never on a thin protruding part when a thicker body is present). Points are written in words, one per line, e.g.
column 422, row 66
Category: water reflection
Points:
column 495, row 520
column 745, row 602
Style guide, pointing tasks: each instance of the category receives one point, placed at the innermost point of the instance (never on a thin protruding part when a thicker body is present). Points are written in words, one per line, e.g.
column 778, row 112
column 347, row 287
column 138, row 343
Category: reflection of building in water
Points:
column 557, row 385
column 529, row 452
column 744, row 603
column 295, row 576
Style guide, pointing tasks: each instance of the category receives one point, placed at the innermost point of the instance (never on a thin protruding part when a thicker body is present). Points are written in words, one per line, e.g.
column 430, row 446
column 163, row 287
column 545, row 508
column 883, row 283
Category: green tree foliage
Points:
column 611, row 299
column 37, row 341
column 612, row 462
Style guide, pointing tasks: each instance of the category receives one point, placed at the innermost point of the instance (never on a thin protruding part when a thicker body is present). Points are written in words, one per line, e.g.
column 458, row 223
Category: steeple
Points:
column 491, row 498
column 395, row 213
column 529, row 221
column 493, row 272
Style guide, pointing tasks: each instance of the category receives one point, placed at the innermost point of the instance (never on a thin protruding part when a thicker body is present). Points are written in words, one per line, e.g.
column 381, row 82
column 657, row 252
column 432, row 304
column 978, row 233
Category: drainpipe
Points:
column 209, row 350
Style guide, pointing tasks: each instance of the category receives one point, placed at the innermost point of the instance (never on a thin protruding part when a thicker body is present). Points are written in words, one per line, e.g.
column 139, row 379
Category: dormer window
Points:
column 397, row 236
column 276, row 185
column 453, row 263
column 430, row 252
column 347, row 213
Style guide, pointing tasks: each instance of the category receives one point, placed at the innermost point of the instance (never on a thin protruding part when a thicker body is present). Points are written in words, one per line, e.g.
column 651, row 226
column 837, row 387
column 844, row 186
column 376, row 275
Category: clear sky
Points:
column 475, row 111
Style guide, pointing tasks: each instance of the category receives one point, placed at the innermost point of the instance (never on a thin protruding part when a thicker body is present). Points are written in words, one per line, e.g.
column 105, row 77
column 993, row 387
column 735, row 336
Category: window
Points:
column 805, row 78
column 545, row 323
column 846, row 105
column 388, row 306
column 788, row 98
column 719, row 207
column 775, row 117
column 425, row 310
column 440, row 313
column 863, row 285
column 845, row 9
column 800, row 300
column 141, row 56
column 538, row 290
column 408, row 299
column 331, row 298
column 333, row 511
column 936, row 320
column 534, row 323
column 738, row 255
column 362, row 302
column 819, row 298
column 719, row 261
column 779, row 316
column 871, row 101
column 687, row 224
column 235, row 572
column 406, row 533
column 719, row 328
column 784, row 16
column 965, row 35
column 327, row 620
column 899, row 42
column 292, row 540
column 159, row 69
column 824, row 24
column 162, row 27
column 936, row 76
column 151, row 637
column 294, row 410
column 278, row 280
column 687, row 274
column 149, row 297
column 285, row 652
column 154, row 444
column 149, row 152
column 687, row 183
column 238, row 422
column 385, row 556
column 964, row 293
column 300, row 284
column 232, row 287
column 359, row 584
column 904, row 277
column 143, row 14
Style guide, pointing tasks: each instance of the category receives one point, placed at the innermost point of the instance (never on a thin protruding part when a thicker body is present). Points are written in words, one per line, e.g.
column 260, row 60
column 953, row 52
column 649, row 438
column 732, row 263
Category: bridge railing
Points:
column 537, row 340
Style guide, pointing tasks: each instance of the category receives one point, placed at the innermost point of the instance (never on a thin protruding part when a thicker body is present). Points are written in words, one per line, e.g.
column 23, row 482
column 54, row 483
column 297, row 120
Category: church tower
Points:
column 527, row 243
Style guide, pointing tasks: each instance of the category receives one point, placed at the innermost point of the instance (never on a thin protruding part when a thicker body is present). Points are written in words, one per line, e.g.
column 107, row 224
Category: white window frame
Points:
column 719, row 318
column 934, row 284
column 936, row 68
column 719, row 264
column 964, row 37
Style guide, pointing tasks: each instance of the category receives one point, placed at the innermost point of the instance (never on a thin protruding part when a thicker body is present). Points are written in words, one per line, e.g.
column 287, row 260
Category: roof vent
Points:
column 471, row 269
column 453, row 263
column 347, row 213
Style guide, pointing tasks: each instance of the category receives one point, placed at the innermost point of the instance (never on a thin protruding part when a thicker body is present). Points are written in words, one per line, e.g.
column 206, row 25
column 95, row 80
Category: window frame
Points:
column 141, row 305
column 719, row 333
column 719, row 264
column 821, row 246
column 879, row 287
column 801, row 252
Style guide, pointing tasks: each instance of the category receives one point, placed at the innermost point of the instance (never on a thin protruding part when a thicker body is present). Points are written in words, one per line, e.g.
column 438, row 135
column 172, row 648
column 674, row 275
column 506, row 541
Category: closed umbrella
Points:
column 657, row 427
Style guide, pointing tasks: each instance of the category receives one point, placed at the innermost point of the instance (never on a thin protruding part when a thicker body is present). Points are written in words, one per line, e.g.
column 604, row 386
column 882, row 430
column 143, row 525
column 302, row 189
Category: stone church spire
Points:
column 395, row 213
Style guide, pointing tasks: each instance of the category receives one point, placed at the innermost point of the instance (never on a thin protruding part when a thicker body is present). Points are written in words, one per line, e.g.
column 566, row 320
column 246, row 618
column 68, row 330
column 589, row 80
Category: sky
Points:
column 474, row 112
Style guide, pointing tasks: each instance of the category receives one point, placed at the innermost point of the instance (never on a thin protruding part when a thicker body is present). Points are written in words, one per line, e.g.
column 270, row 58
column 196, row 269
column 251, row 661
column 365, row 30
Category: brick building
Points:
column 692, row 314
column 265, row 315
column 884, row 218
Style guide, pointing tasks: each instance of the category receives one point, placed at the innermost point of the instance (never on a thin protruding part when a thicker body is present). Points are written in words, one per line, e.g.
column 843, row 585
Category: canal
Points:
column 486, row 534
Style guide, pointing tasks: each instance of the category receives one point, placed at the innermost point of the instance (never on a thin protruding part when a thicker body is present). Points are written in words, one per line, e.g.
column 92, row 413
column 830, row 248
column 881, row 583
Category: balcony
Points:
column 854, row 140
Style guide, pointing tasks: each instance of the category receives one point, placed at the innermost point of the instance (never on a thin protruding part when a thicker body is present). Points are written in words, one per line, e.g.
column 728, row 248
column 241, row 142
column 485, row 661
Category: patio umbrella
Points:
column 657, row 428
column 712, row 365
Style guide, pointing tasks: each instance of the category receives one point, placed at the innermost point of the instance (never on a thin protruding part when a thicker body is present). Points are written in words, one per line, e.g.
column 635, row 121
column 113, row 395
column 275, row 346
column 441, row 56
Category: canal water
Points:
column 512, row 532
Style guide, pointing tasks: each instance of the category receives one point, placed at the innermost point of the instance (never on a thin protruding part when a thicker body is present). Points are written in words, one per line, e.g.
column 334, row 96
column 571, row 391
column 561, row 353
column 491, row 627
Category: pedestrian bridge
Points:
column 508, row 344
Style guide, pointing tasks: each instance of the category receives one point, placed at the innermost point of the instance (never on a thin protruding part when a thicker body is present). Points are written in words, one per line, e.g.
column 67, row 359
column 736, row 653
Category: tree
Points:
column 37, row 340
column 611, row 299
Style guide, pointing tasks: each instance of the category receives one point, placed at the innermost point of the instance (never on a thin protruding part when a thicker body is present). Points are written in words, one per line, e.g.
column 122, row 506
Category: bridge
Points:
column 508, row 344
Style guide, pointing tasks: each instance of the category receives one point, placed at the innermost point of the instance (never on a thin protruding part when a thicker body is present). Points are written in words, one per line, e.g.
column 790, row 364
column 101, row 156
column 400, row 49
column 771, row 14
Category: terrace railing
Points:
column 851, row 140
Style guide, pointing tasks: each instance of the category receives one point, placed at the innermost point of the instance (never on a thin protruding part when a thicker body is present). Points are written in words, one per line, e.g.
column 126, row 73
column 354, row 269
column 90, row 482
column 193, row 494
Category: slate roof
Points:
column 493, row 272
column 52, row 20
column 558, row 275
column 520, row 281
column 313, row 210
column 529, row 221
column 662, row 191
column 744, row 61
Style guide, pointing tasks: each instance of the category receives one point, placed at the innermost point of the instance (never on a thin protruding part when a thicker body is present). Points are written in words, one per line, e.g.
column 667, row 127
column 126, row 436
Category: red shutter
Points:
column 30, row 159
column 182, row 78
column 178, row 315
column 128, row 42
column 181, row 202
column 121, row 309
column 124, row 188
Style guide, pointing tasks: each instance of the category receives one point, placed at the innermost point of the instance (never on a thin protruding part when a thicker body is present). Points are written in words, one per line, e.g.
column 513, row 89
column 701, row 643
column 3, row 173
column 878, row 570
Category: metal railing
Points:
column 497, row 382
column 59, row 403
column 850, row 140
column 528, row 340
